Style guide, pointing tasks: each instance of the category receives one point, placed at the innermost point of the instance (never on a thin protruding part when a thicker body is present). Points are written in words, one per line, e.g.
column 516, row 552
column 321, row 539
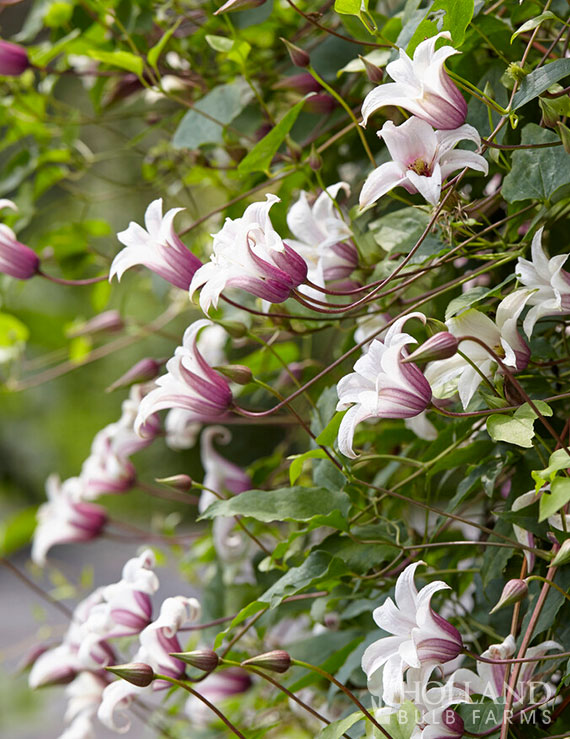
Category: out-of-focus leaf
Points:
column 533, row 23
column 444, row 15
column 337, row 728
column 16, row 530
column 122, row 59
column 296, row 466
column 154, row 53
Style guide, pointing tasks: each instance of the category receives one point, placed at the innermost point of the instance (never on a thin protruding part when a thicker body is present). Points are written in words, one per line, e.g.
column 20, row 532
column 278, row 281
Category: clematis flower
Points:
column 215, row 688
column 16, row 259
column 66, row 517
column 421, row 638
column 548, row 282
column 421, row 86
column 156, row 642
column 190, row 383
column 248, row 253
column 421, row 160
column 126, row 608
column 13, row 59
column 500, row 335
column 221, row 476
column 382, row 386
column 321, row 236
column 84, row 696
column 158, row 247
column 490, row 678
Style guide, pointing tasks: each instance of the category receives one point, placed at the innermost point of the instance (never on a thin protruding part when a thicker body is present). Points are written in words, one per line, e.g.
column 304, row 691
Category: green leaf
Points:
column 328, row 435
column 540, row 80
column 338, row 728
column 220, row 106
column 559, row 460
column 351, row 7
column 219, row 43
column 121, row 59
column 552, row 502
column 537, row 173
column 472, row 297
column 358, row 557
column 154, row 53
column 259, row 158
column 13, row 332
column 16, row 531
column 399, row 231
column 480, row 717
column 519, row 428
column 533, row 23
column 42, row 55
column 316, row 569
column 444, row 15
column 296, row 466
column 286, row 504
column 402, row 723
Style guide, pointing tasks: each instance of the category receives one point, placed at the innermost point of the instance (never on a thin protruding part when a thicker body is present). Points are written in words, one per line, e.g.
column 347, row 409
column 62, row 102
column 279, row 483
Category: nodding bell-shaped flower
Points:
column 421, row 638
column 501, row 336
column 382, row 386
column 126, row 608
column 321, row 234
column 548, row 282
column 421, row 160
column 66, row 517
column 248, row 253
column 421, row 86
column 158, row 247
column 16, row 259
column 189, row 383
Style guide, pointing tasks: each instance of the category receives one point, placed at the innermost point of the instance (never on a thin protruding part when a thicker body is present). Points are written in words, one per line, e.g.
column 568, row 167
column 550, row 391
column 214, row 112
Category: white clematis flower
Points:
column 548, row 282
column 421, row 160
column 421, row 86
column 500, row 335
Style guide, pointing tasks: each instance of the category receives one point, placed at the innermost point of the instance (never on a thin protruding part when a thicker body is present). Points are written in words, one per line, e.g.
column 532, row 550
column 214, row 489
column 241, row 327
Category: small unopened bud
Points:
column 321, row 103
column 136, row 673
column 516, row 72
column 314, row 161
column 550, row 114
column 13, row 59
column 110, row 320
column 276, row 661
column 374, row 73
column 299, row 57
column 564, row 133
column 232, row 5
column 236, row 373
column 203, row 659
column 513, row 592
column 182, row 483
column 562, row 555
column 439, row 346
column 143, row 371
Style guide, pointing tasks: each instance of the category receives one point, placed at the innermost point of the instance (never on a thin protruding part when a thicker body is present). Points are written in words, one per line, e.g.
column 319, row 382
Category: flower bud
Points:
column 374, row 73
column 232, row 5
column 236, row 373
column 439, row 346
column 143, row 371
column 513, row 592
column 13, row 59
column 276, row 661
column 314, row 161
column 203, row 659
column 110, row 320
column 182, row 483
column 564, row 133
column 321, row 103
column 136, row 673
column 562, row 556
column 516, row 72
column 299, row 57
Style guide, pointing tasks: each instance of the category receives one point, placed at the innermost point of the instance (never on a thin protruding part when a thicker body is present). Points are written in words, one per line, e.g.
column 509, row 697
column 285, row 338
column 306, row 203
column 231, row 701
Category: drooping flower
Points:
column 382, row 386
column 189, row 383
column 320, row 237
column 222, row 476
column 126, row 606
column 156, row 642
column 421, row 638
column 66, row 517
column 16, row 259
column 158, row 247
column 490, row 678
column 421, row 86
column 421, row 160
column 548, row 282
column 500, row 335
column 248, row 253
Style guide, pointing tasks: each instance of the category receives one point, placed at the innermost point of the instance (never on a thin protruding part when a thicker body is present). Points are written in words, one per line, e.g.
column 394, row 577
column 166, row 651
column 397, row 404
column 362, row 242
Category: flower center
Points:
column 420, row 167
